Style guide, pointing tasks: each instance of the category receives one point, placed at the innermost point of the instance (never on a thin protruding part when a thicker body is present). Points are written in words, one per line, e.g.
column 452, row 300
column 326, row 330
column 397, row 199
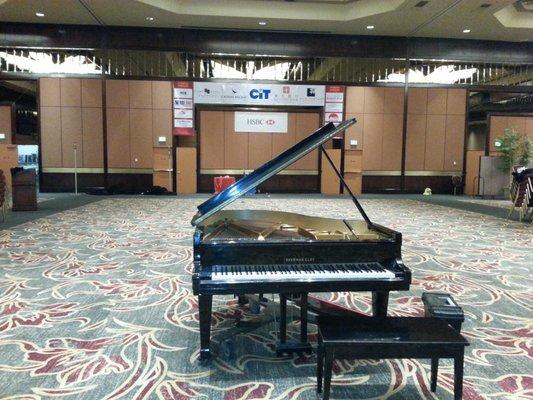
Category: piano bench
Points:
column 384, row 338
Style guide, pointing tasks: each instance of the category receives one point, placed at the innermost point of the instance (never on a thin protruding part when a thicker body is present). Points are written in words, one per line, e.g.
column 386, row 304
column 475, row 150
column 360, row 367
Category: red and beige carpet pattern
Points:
column 96, row 303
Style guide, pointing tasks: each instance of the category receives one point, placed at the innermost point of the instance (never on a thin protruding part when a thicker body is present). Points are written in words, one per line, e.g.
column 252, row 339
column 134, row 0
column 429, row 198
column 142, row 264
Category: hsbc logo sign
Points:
column 260, row 94
column 261, row 121
column 266, row 122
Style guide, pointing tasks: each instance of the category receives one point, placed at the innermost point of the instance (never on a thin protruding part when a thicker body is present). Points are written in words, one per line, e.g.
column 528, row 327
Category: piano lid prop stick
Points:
column 354, row 199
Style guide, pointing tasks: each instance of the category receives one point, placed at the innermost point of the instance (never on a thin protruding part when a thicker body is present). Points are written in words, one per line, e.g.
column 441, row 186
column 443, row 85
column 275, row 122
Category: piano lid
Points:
column 270, row 168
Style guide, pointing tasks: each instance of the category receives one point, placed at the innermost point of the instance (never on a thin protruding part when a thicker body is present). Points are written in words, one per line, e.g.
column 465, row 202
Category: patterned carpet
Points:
column 96, row 303
column 487, row 202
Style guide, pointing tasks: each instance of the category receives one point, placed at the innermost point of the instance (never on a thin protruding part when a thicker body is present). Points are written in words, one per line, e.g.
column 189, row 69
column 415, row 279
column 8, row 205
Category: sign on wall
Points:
column 258, row 94
column 334, row 105
column 275, row 122
column 183, row 105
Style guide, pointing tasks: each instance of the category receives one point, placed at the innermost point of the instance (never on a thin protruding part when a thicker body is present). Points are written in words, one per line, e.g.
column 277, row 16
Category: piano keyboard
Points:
column 312, row 272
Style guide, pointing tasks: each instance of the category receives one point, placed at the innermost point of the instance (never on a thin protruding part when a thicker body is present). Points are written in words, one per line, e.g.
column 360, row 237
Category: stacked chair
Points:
column 520, row 191
column 527, row 204
column 3, row 190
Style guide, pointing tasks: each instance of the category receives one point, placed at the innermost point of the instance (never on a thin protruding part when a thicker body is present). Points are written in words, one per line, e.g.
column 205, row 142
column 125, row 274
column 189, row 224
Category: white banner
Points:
column 271, row 122
column 258, row 94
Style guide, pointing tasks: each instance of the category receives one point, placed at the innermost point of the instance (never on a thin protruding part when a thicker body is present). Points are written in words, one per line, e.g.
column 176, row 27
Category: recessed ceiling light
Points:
column 370, row 27
column 466, row 30
column 39, row 14
column 262, row 23
column 149, row 18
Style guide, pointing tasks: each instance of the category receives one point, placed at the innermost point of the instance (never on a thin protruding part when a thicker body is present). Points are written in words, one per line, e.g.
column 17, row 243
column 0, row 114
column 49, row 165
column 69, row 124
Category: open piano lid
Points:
column 270, row 168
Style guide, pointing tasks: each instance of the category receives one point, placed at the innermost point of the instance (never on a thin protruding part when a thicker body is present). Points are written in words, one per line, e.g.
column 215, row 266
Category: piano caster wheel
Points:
column 205, row 356
column 227, row 349
column 242, row 300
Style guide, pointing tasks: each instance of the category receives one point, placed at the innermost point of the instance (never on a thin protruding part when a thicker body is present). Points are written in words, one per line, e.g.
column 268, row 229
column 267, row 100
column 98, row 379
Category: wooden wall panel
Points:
column 162, row 126
column 118, row 138
column 374, row 100
column 93, row 147
column 417, row 101
column 49, row 92
column 70, row 90
column 472, row 171
column 259, row 149
column 211, row 139
column 71, row 136
column 517, row 123
column 236, row 151
column 91, row 93
column 415, row 142
column 51, row 137
column 355, row 100
column 456, row 102
column 353, row 161
column 162, row 179
column 117, row 94
column 497, row 128
column 5, row 124
column 529, row 127
column 306, row 123
column 140, row 94
column 162, row 159
column 435, row 140
column 354, row 182
column 186, row 175
column 437, row 101
column 282, row 141
column 141, row 138
column 455, row 137
column 391, row 148
column 329, row 181
column 162, row 95
column 373, row 140
column 394, row 101
column 354, row 132
column 8, row 160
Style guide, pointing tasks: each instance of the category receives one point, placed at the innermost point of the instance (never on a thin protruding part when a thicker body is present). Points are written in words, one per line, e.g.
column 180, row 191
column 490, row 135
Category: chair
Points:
column 527, row 204
column 3, row 189
column 518, row 191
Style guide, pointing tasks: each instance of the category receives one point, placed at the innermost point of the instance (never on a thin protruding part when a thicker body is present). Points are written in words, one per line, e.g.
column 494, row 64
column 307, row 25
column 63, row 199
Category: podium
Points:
column 24, row 189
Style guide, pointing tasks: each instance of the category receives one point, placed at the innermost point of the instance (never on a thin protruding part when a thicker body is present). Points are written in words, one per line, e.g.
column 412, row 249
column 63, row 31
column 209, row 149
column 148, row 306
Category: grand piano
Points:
column 244, row 252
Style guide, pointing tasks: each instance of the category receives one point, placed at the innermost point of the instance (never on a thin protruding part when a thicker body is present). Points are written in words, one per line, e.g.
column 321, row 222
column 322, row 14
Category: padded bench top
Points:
column 382, row 330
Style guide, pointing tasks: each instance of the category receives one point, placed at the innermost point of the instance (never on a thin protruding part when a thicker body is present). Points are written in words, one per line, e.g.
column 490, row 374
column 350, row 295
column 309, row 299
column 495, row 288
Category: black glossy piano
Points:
column 244, row 252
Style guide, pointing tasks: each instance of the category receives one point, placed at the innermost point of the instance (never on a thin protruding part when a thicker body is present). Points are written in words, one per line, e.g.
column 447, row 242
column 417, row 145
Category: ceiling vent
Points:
column 421, row 3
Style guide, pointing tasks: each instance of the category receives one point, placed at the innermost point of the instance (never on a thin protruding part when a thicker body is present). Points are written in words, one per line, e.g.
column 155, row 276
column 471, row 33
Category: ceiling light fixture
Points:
column 149, row 18
column 262, row 23
column 466, row 30
column 39, row 14
column 370, row 27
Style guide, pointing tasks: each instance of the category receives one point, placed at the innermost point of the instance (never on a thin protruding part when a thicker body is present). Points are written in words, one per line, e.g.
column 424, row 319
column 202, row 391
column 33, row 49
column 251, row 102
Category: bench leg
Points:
column 380, row 301
column 328, row 369
column 319, row 367
column 434, row 373
column 458, row 376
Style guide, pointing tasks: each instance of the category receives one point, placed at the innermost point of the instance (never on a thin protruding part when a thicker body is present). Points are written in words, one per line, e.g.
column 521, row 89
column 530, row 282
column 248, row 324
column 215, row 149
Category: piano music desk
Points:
column 388, row 337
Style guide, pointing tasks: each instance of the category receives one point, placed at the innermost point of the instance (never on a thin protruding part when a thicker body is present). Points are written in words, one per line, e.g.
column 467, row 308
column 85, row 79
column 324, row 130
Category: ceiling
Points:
column 507, row 20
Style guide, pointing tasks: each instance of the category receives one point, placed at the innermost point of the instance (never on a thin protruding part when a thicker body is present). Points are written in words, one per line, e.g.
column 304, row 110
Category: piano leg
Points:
column 205, row 303
column 380, row 301
column 303, row 318
column 282, row 318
